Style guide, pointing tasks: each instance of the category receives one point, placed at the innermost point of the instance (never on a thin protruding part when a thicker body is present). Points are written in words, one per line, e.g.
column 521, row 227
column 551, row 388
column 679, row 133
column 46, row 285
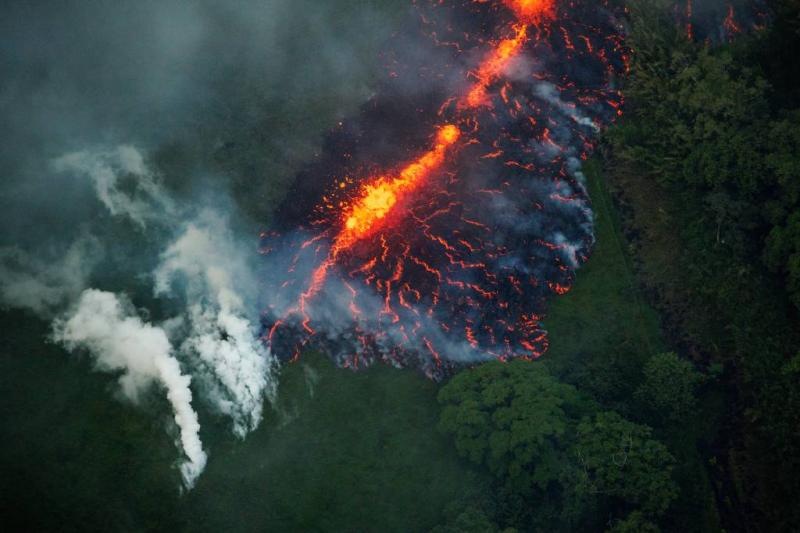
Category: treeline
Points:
column 560, row 460
column 707, row 163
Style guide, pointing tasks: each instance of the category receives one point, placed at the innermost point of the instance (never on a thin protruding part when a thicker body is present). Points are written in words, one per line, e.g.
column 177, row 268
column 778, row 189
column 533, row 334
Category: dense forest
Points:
column 703, row 170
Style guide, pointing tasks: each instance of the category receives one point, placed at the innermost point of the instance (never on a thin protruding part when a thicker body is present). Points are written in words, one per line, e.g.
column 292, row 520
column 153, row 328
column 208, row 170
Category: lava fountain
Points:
column 440, row 220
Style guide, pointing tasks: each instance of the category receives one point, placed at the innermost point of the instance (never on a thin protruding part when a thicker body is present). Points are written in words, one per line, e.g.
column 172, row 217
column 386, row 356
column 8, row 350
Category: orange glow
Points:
column 378, row 197
column 376, row 200
column 493, row 66
column 531, row 9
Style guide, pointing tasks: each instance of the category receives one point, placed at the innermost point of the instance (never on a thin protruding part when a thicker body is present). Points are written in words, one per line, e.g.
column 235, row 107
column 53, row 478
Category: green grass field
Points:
column 602, row 330
column 347, row 451
column 344, row 451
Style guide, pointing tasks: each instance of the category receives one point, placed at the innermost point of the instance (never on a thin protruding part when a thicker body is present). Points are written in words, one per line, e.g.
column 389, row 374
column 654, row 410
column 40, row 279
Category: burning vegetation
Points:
column 445, row 215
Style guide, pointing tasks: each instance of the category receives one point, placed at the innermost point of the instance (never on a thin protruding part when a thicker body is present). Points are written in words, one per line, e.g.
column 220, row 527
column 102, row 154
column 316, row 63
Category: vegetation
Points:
column 570, row 439
column 547, row 445
column 711, row 142
column 668, row 388
column 340, row 443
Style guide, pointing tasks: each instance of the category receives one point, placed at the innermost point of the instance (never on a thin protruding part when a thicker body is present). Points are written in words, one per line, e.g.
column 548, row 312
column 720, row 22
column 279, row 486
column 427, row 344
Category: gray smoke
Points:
column 46, row 283
column 144, row 201
column 204, row 270
column 207, row 271
column 204, row 266
column 146, row 144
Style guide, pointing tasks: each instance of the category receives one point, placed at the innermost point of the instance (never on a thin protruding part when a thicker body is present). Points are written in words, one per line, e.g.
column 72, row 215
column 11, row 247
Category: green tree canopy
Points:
column 782, row 253
column 668, row 389
column 618, row 459
column 469, row 520
column 540, row 438
column 636, row 522
column 510, row 417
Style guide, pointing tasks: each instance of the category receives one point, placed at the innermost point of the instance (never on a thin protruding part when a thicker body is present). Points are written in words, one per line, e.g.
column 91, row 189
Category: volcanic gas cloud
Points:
column 437, row 223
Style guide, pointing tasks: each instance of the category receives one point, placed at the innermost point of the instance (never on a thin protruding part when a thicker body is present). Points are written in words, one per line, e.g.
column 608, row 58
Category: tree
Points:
column 470, row 520
column 618, row 459
column 668, row 389
column 636, row 522
column 782, row 253
column 713, row 127
column 696, row 112
column 546, row 444
column 510, row 417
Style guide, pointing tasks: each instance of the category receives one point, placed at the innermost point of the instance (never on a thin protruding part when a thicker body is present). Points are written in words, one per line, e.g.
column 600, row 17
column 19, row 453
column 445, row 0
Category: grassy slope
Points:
column 71, row 457
column 603, row 320
column 601, row 334
column 349, row 452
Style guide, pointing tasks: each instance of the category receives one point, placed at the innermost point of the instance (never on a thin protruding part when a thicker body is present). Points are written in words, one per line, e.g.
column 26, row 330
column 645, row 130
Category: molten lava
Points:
column 452, row 257
column 493, row 66
column 531, row 10
column 379, row 196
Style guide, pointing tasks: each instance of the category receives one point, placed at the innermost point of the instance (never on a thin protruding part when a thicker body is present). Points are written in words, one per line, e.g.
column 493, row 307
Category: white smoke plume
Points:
column 142, row 201
column 207, row 270
column 204, row 266
column 549, row 93
column 119, row 340
column 164, row 74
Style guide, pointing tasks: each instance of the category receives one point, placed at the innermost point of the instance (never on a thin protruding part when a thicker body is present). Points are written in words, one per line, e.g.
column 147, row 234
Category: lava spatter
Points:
column 380, row 195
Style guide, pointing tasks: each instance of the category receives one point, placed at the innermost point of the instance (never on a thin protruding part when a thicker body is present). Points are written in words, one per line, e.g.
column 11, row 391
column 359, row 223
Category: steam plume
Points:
column 203, row 268
column 236, row 367
column 119, row 340
column 144, row 201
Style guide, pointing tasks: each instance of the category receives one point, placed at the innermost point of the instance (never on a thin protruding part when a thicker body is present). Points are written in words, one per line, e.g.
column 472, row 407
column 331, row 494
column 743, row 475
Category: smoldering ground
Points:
column 466, row 269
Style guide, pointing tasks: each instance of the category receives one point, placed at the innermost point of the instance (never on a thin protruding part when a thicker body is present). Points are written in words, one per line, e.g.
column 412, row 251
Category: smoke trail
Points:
column 204, row 269
column 237, row 368
column 46, row 285
column 110, row 171
column 107, row 326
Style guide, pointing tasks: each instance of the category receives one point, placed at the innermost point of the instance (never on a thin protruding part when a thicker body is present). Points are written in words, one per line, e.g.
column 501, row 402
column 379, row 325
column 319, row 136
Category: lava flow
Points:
column 381, row 195
column 377, row 199
column 470, row 212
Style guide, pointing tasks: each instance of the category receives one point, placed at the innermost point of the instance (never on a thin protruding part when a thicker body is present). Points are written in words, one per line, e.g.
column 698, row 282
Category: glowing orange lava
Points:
column 531, row 10
column 407, row 251
column 376, row 200
column 378, row 197
column 493, row 66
